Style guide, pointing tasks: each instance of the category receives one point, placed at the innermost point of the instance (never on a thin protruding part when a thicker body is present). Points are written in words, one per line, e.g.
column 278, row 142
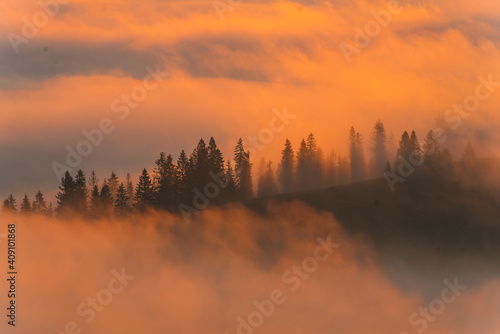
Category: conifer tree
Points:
column 182, row 182
column 26, row 205
column 287, row 168
column 95, row 202
column 9, row 204
column 165, row 181
column 66, row 195
column 39, row 206
column 80, row 195
column 144, row 193
column 302, row 166
column 106, row 201
column 121, row 202
column 356, row 155
column 93, row 181
column 129, row 187
column 379, row 149
column 113, row 184
column 230, row 190
column 243, row 171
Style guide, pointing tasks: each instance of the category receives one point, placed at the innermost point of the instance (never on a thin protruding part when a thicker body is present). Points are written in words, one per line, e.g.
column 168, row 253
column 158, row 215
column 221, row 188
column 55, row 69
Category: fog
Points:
column 204, row 277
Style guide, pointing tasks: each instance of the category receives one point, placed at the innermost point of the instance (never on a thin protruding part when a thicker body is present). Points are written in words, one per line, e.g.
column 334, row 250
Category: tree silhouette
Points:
column 302, row 173
column 26, row 205
column 65, row 196
column 356, row 155
column 129, row 187
column 106, row 202
column 9, row 204
column 182, row 178
column 230, row 190
column 379, row 149
column 165, row 181
column 80, row 194
column 122, row 208
column 113, row 184
column 144, row 193
column 243, row 172
column 267, row 182
column 39, row 205
column 93, row 181
column 287, row 168
column 404, row 150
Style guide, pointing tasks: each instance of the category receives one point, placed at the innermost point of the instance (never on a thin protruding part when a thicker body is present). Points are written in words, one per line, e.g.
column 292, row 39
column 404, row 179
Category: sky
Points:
column 226, row 69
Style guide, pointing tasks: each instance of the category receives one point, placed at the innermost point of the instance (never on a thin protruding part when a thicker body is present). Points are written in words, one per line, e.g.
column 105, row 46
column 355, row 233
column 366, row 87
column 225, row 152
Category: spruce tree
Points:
column 26, row 205
column 66, row 195
column 39, row 206
column 287, row 168
column 243, row 172
column 106, row 201
column 379, row 149
column 95, row 202
column 165, row 181
column 144, row 192
column 181, row 179
column 80, row 196
column 121, row 202
column 302, row 173
column 9, row 204
column 113, row 184
column 129, row 187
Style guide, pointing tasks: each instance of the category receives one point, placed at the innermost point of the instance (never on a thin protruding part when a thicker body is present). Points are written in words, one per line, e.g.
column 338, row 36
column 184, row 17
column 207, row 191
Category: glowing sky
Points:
column 226, row 76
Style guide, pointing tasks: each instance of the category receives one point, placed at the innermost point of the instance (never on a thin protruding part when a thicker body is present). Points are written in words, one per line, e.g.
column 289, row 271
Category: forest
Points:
column 206, row 176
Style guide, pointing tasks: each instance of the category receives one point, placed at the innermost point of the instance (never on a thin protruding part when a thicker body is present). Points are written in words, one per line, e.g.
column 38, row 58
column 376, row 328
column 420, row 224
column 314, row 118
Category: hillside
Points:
column 435, row 225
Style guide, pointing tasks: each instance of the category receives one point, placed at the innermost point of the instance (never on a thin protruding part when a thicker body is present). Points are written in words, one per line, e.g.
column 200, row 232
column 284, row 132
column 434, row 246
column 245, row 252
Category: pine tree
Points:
column 314, row 163
column 267, row 182
column 243, row 172
column 66, row 195
column 302, row 172
column 379, row 149
column 431, row 150
column 356, row 155
column 182, row 182
column 129, row 187
column 80, row 195
column 39, row 206
column 144, row 193
column 165, row 181
column 93, row 181
column 106, row 201
column 215, row 158
column 404, row 150
column 113, row 184
column 230, row 190
column 26, row 205
column 287, row 168
column 95, row 202
column 121, row 202
column 9, row 205
column 201, row 167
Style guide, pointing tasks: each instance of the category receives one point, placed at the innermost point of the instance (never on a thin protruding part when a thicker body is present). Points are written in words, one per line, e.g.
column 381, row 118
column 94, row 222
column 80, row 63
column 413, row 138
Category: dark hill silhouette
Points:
column 438, row 224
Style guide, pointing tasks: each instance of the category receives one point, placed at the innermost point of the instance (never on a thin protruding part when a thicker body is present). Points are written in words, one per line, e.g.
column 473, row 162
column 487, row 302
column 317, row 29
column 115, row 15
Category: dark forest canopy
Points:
column 191, row 182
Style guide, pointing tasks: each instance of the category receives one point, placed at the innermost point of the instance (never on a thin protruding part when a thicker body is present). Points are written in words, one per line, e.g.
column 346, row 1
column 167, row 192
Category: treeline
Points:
column 205, row 176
